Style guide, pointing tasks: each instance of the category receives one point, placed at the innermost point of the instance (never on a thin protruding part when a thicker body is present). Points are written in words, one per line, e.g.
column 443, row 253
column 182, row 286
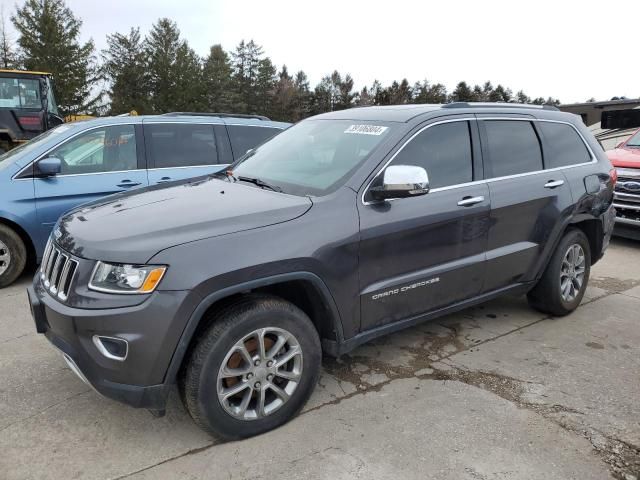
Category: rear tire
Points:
column 563, row 283
column 13, row 256
column 246, row 348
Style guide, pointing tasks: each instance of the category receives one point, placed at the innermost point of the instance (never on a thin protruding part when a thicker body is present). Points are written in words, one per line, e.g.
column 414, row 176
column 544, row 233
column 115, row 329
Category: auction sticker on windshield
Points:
column 366, row 129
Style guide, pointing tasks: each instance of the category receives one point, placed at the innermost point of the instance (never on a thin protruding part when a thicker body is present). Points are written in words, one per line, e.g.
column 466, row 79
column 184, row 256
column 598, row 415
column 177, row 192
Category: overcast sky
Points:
column 572, row 50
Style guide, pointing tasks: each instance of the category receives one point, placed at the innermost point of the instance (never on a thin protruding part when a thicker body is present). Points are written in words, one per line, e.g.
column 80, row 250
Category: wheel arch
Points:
column 593, row 230
column 304, row 289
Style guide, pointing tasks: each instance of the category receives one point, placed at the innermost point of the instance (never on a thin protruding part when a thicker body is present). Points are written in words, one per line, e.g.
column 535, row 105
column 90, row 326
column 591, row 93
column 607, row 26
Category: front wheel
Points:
column 561, row 288
column 253, row 369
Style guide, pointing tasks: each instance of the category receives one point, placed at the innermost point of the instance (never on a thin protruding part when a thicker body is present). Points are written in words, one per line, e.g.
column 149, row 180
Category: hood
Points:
column 132, row 227
column 624, row 157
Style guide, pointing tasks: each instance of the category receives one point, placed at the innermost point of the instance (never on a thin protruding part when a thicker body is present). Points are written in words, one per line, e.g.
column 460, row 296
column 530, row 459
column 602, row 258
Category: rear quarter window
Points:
column 246, row 137
column 563, row 145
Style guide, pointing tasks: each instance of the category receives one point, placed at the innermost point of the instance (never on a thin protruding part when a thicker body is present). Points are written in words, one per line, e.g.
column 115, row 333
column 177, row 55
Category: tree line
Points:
column 160, row 72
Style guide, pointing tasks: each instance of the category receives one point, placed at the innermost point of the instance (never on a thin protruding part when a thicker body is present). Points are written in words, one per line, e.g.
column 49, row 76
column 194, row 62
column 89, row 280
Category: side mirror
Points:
column 402, row 181
column 48, row 167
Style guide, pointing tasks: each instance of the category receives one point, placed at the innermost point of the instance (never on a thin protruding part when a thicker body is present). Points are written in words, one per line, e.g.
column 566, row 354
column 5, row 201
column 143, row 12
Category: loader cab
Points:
column 27, row 107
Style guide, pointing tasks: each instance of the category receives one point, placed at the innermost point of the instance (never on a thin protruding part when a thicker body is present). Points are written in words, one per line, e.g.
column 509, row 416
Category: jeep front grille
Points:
column 57, row 271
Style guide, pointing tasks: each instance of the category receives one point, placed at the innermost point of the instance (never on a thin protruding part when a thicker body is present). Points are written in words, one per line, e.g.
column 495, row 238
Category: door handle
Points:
column 468, row 201
column 128, row 184
column 164, row 179
column 554, row 183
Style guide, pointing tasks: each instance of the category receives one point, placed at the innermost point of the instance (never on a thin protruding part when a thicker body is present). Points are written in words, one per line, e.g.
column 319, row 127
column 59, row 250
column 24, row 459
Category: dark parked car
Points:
column 345, row 227
column 79, row 162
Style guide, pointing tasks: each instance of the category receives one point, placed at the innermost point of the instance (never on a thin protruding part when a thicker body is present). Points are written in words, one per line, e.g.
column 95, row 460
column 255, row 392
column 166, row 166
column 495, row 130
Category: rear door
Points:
column 95, row 163
column 527, row 202
column 424, row 253
column 176, row 151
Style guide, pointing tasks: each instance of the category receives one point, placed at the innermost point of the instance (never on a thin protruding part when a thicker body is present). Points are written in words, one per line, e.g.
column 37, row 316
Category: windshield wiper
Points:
column 259, row 183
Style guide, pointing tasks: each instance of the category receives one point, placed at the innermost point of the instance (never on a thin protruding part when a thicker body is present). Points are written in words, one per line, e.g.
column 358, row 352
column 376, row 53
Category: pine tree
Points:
column 346, row 96
column 284, row 99
column 521, row 97
column 124, row 66
column 49, row 41
column 217, row 82
column 365, row 98
column 322, row 96
column 426, row 93
column 400, row 93
column 500, row 94
column 303, row 98
column 462, row 93
column 174, row 70
column 246, row 62
column 264, row 90
column 188, row 80
column 8, row 53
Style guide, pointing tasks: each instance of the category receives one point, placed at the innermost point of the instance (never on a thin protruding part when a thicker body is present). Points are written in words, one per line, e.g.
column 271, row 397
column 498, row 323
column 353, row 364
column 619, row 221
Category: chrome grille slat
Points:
column 626, row 206
column 45, row 258
column 57, row 271
column 52, row 262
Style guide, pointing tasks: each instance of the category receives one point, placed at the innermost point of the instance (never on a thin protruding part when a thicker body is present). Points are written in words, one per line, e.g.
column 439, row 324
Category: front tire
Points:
column 561, row 288
column 13, row 256
column 252, row 369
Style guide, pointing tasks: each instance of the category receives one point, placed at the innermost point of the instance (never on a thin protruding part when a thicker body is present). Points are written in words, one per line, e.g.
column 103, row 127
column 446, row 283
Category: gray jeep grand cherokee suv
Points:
column 345, row 227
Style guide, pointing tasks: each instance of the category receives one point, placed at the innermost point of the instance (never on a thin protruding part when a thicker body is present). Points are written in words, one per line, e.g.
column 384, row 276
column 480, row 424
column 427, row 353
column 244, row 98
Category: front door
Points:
column 421, row 254
column 95, row 163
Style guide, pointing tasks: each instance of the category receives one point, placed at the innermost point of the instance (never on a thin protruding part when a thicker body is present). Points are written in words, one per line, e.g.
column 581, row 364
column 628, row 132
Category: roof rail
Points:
column 210, row 114
column 498, row 105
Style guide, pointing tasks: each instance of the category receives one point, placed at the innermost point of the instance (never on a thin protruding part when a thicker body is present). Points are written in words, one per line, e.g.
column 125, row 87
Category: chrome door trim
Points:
column 594, row 159
column 190, row 166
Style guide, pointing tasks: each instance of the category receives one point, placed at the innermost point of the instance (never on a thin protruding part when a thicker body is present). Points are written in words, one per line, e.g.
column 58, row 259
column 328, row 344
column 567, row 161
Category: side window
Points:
column 444, row 151
column 108, row 149
column 180, row 145
column 564, row 145
column 245, row 138
column 513, row 148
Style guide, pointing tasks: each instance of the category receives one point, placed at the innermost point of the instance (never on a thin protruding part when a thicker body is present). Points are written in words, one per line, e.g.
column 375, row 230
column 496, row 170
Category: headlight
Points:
column 114, row 278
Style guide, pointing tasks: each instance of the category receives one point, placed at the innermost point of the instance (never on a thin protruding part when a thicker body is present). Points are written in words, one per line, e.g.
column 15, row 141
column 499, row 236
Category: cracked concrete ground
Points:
column 498, row 391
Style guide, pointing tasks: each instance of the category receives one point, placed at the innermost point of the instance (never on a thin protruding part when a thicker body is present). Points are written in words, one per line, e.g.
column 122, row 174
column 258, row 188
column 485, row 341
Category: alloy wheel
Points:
column 572, row 272
column 260, row 373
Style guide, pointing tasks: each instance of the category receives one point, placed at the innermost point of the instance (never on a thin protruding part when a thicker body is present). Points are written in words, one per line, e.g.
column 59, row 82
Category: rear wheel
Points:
column 253, row 369
column 13, row 256
column 562, row 286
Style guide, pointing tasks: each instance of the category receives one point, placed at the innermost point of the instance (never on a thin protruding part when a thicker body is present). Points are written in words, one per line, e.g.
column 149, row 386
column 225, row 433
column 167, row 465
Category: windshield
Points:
column 313, row 157
column 26, row 148
column 634, row 141
column 20, row 93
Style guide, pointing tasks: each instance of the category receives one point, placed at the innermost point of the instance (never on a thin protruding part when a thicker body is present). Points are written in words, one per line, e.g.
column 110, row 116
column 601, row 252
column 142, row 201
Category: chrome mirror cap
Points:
column 402, row 181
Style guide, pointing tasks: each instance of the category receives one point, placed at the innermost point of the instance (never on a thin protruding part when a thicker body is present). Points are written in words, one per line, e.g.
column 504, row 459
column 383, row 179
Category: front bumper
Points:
column 152, row 330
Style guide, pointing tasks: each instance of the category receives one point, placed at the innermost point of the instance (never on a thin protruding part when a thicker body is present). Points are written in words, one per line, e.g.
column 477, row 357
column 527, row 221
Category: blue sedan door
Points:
column 95, row 163
column 183, row 150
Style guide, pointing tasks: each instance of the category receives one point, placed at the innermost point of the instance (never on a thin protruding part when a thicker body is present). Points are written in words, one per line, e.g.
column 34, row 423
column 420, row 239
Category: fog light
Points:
column 111, row 347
